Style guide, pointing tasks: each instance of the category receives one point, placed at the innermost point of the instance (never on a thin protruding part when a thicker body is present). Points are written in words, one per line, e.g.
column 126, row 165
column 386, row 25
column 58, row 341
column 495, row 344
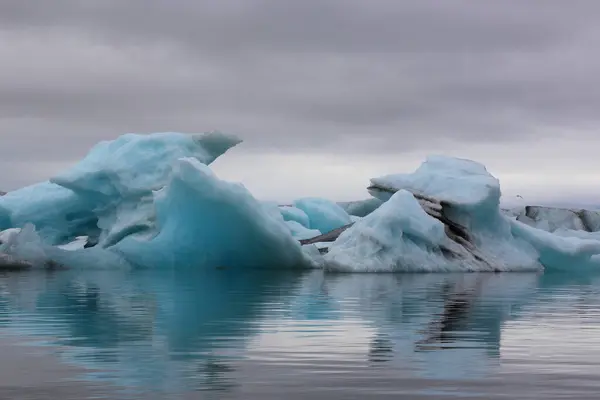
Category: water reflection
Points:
column 381, row 348
column 217, row 330
column 151, row 330
column 442, row 326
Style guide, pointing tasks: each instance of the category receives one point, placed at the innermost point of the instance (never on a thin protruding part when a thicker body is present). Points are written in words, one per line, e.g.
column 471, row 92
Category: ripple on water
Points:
column 268, row 335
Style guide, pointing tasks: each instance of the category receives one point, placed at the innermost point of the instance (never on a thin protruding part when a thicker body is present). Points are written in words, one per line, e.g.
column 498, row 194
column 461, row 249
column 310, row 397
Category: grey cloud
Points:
column 350, row 76
column 313, row 25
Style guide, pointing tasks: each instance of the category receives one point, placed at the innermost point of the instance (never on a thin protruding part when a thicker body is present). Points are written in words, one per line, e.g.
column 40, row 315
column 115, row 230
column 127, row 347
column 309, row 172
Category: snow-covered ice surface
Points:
column 465, row 183
column 152, row 201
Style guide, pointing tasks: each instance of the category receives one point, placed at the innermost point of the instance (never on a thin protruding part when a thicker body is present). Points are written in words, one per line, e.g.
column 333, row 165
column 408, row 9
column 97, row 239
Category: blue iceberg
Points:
column 323, row 215
column 117, row 178
column 152, row 201
column 206, row 221
column 108, row 195
column 57, row 213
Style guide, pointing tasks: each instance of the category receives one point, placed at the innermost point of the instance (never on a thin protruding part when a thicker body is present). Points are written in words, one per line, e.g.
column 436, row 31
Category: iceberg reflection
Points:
column 197, row 329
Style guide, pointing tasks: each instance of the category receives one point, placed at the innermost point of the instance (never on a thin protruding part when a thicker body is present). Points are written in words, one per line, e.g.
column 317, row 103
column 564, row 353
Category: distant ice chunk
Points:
column 300, row 232
column 25, row 245
column 290, row 213
column 8, row 239
column 557, row 252
column 577, row 233
column 361, row 208
column 323, row 215
column 206, row 222
column 552, row 218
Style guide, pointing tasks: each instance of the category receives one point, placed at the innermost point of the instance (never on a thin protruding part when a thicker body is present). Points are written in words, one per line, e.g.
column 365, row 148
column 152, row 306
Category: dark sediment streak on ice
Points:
column 440, row 210
column 326, row 237
column 464, row 247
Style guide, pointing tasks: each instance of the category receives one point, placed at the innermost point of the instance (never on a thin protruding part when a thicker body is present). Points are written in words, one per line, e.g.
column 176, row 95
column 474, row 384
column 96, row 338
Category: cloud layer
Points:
column 345, row 85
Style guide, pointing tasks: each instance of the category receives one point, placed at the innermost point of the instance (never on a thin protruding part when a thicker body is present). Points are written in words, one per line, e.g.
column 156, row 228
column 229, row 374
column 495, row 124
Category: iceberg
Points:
column 23, row 249
column 152, row 201
column 552, row 218
column 57, row 213
column 205, row 221
column 323, row 215
column 464, row 199
column 293, row 214
column 559, row 252
column 361, row 208
column 108, row 194
column 117, row 178
column 301, row 232
column 401, row 237
column 397, row 236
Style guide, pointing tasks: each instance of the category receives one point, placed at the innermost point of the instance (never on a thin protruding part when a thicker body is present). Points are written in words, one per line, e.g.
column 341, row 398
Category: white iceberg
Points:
column 465, row 183
column 457, row 203
column 399, row 236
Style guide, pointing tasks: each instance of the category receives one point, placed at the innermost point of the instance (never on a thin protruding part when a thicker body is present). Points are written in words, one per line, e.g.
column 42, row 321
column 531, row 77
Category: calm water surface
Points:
column 267, row 335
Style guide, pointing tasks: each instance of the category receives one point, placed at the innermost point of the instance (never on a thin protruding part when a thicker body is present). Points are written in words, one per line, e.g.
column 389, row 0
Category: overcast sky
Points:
column 325, row 93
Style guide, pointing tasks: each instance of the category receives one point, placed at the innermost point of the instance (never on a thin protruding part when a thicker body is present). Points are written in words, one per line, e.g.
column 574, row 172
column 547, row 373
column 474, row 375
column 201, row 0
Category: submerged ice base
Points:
column 152, row 201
